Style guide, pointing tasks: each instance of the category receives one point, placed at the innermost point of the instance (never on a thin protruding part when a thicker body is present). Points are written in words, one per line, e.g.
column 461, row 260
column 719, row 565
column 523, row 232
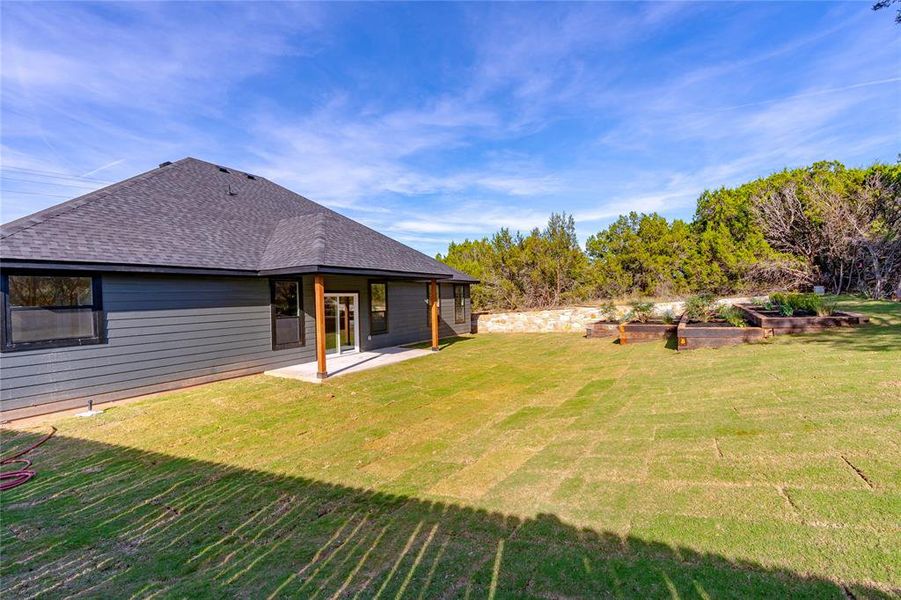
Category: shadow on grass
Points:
column 109, row 521
column 672, row 342
column 442, row 343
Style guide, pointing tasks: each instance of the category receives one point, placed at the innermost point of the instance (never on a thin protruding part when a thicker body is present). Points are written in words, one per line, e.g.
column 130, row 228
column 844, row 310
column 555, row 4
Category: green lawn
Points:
column 544, row 466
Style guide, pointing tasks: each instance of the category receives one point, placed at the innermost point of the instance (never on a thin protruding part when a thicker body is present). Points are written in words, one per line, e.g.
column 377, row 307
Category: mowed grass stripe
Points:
column 771, row 470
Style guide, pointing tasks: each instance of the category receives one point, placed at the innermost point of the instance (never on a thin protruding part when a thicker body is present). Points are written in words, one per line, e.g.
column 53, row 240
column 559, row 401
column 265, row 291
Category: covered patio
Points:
column 356, row 360
column 349, row 363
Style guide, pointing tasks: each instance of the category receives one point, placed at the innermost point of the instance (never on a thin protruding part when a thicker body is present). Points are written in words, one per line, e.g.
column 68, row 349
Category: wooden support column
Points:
column 319, row 296
column 433, row 307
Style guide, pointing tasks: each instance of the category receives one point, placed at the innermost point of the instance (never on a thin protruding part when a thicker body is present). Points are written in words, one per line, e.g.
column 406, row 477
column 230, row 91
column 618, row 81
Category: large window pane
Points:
column 378, row 296
column 331, row 324
column 46, row 310
column 287, row 331
column 51, row 324
column 348, row 323
column 459, row 305
column 50, row 290
column 287, row 308
column 286, row 299
column 379, row 322
column 378, row 307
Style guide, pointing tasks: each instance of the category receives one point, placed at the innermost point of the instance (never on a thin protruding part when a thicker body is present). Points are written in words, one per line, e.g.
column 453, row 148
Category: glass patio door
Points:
column 341, row 324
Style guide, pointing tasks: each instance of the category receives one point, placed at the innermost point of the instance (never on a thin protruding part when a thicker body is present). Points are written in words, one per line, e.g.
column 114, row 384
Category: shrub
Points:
column 700, row 307
column 805, row 302
column 642, row 311
column 826, row 309
column 791, row 303
column 609, row 312
column 779, row 298
column 668, row 317
column 731, row 315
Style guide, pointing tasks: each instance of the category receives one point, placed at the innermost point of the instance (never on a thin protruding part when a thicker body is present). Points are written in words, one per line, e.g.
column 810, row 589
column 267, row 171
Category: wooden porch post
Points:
column 319, row 295
column 433, row 306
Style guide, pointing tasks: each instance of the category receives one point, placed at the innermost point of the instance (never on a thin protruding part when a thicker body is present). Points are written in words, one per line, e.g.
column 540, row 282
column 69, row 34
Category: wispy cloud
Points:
column 108, row 165
column 141, row 56
column 443, row 121
column 342, row 159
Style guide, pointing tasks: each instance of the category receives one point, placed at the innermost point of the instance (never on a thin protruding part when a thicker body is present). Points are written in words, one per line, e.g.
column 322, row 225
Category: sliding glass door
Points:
column 342, row 327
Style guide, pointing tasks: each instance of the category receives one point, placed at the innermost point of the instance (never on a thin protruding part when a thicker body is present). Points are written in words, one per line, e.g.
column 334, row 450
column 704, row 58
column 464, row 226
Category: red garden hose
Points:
column 11, row 479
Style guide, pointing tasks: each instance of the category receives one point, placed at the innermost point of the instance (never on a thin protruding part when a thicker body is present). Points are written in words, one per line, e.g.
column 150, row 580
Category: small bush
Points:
column 791, row 303
column 668, row 317
column 700, row 308
column 826, row 309
column 731, row 315
column 642, row 312
column 779, row 299
column 807, row 302
column 609, row 312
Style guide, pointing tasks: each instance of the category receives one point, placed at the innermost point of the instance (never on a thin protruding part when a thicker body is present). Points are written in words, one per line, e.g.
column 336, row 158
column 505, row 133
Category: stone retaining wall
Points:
column 572, row 319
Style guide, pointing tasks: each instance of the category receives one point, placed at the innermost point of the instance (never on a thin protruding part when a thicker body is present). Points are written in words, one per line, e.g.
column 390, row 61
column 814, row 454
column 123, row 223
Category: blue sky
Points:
column 436, row 122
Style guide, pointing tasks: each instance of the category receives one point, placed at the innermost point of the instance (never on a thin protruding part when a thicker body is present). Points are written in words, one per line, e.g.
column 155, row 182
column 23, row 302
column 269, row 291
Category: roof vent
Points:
column 231, row 192
column 165, row 164
column 249, row 176
column 223, row 170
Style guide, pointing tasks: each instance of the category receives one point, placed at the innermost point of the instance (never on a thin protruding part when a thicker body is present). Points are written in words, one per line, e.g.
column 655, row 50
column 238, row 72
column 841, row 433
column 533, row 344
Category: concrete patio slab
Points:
column 349, row 363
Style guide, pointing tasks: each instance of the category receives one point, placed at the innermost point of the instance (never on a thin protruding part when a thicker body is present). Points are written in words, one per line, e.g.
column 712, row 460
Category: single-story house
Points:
column 194, row 272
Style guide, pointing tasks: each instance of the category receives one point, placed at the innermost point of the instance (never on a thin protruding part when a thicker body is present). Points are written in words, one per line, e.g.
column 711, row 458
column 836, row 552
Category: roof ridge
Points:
column 382, row 235
column 319, row 236
column 51, row 212
column 230, row 169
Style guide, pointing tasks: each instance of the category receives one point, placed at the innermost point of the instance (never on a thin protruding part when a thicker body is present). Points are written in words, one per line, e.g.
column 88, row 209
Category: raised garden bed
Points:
column 602, row 329
column 630, row 333
column 800, row 322
column 715, row 334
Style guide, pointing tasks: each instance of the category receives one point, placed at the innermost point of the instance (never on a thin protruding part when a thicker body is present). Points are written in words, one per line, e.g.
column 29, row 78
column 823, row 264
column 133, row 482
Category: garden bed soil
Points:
column 630, row 333
column 600, row 329
column 715, row 334
column 774, row 321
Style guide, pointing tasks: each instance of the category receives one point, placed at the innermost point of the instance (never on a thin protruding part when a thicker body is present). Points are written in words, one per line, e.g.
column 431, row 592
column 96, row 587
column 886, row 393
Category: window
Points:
column 459, row 305
column 378, row 307
column 287, row 314
column 51, row 311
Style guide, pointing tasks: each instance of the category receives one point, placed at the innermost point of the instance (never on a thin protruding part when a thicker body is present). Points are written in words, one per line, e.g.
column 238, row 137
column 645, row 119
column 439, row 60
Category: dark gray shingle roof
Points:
column 192, row 214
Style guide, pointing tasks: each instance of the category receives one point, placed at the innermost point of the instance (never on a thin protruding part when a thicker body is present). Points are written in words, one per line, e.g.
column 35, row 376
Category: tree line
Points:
column 824, row 224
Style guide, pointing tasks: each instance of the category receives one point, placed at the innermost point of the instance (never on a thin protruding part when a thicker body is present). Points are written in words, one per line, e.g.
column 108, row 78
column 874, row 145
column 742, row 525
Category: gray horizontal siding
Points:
column 120, row 381
column 447, row 327
column 137, row 354
column 163, row 332
column 37, row 409
column 408, row 314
